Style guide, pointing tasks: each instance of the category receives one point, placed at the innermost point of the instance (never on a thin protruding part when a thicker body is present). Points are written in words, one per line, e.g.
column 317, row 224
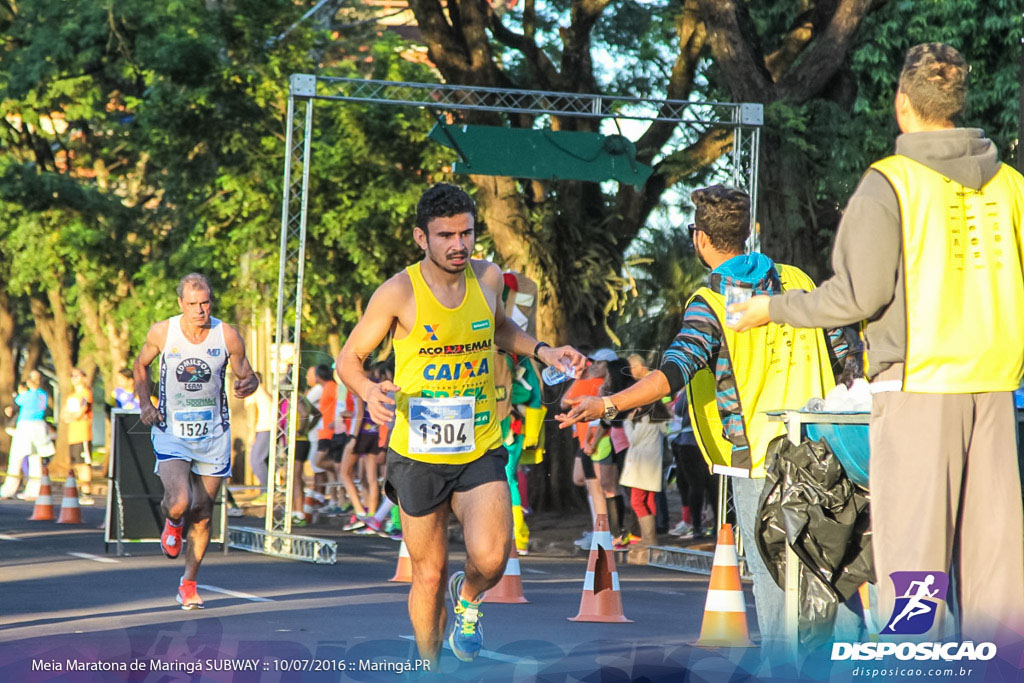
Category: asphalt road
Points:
column 64, row 603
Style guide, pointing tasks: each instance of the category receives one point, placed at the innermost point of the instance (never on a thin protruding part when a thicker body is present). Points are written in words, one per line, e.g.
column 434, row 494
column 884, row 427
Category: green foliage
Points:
column 664, row 272
column 987, row 34
column 166, row 150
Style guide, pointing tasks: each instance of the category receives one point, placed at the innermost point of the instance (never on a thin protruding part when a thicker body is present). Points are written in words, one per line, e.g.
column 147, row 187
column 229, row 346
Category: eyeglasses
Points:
column 692, row 228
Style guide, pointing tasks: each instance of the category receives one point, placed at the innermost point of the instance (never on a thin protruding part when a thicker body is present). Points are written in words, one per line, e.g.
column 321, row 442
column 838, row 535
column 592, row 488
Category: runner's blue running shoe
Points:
column 467, row 635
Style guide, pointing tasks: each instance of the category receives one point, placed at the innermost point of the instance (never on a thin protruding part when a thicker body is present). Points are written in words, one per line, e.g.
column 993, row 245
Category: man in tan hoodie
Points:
column 929, row 254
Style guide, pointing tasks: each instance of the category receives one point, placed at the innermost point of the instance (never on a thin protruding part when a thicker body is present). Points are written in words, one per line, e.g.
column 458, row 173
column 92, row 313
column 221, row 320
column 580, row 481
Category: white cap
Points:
column 604, row 354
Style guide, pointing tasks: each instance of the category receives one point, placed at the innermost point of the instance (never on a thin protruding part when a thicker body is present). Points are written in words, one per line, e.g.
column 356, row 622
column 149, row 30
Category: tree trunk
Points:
column 793, row 229
column 111, row 340
column 7, row 368
column 33, row 354
column 52, row 324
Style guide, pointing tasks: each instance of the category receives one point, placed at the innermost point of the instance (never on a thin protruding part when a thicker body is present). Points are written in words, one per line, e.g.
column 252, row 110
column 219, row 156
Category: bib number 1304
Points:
column 440, row 426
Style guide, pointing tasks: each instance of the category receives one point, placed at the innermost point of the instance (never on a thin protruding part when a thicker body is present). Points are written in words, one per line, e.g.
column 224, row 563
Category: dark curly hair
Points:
column 934, row 78
column 441, row 201
column 723, row 214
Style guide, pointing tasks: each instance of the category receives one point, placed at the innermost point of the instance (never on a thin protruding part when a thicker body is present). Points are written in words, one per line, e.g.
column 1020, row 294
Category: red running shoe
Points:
column 187, row 596
column 170, row 540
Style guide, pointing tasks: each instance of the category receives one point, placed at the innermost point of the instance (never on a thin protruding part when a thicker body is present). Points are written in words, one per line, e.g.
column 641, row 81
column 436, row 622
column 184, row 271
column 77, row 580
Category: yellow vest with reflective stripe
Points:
column 449, row 352
column 775, row 367
column 962, row 259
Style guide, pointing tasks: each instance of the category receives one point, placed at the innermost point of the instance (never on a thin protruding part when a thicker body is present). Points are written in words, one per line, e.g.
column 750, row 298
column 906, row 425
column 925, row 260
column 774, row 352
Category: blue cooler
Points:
column 850, row 444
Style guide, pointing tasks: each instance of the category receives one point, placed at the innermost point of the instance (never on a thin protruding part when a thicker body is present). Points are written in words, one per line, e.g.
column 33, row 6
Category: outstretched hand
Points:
column 584, row 408
column 563, row 357
column 754, row 310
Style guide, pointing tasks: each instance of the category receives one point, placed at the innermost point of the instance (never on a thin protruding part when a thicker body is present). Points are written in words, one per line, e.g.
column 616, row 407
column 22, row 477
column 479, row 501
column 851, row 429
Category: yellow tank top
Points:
column 962, row 259
column 448, row 353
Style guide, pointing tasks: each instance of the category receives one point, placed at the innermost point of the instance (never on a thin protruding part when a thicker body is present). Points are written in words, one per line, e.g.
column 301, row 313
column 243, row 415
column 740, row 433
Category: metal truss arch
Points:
column 739, row 168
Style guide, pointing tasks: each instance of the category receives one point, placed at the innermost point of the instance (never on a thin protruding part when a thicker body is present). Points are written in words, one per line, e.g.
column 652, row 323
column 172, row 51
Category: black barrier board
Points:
column 135, row 491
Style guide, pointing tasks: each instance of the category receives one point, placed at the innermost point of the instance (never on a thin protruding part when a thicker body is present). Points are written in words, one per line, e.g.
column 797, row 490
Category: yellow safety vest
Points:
column 775, row 367
column 448, row 352
column 962, row 259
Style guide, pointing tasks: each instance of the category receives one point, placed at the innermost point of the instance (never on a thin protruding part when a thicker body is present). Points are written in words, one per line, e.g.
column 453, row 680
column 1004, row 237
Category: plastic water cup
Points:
column 735, row 295
column 391, row 422
column 553, row 375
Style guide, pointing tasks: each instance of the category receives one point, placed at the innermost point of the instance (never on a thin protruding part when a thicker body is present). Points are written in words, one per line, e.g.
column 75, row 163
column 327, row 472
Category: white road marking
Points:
column 94, row 558
column 527, row 570
column 234, row 594
column 496, row 656
column 5, row 537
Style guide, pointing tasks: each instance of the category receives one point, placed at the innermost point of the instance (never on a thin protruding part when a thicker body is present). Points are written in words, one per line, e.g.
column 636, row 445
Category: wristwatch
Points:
column 610, row 411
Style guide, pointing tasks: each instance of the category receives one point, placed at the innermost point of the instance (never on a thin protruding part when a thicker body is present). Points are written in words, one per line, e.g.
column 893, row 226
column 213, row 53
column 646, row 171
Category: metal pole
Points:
column 293, row 404
column 755, row 152
column 275, row 504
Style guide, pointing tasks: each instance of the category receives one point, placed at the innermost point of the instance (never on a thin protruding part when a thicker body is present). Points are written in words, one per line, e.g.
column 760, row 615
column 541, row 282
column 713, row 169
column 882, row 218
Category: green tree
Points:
column 570, row 236
column 827, row 74
column 664, row 273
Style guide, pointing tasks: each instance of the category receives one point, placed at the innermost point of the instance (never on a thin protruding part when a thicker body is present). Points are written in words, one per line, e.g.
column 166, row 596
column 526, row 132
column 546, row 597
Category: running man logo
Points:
column 918, row 596
column 431, row 334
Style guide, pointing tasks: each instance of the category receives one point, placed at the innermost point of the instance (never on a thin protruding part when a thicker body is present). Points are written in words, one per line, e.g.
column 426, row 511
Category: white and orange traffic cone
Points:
column 601, row 601
column 509, row 590
column 725, row 610
column 403, row 572
column 70, row 512
column 43, row 511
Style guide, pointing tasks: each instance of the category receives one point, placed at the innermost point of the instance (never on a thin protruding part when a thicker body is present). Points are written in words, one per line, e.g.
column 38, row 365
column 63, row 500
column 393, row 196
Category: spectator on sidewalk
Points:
column 31, row 439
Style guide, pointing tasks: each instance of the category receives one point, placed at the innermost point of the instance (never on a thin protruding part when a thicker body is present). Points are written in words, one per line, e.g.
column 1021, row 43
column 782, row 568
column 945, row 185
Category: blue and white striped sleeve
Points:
column 697, row 343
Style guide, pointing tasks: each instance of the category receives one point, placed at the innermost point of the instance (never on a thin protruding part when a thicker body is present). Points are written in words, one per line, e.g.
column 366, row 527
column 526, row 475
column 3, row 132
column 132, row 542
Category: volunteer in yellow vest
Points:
column 732, row 378
column 929, row 254
column 446, row 317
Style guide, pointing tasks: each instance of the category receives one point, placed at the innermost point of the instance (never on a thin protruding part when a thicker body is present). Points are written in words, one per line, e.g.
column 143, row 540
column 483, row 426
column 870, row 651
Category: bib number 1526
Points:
column 193, row 429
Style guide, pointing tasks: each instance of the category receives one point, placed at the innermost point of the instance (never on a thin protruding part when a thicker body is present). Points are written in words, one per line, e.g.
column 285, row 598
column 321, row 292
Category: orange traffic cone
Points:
column 510, row 589
column 601, row 599
column 70, row 512
column 725, row 611
column 403, row 573
column 43, row 510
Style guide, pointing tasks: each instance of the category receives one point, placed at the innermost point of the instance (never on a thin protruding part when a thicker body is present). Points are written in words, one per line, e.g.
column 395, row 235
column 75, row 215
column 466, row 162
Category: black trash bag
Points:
column 809, row 502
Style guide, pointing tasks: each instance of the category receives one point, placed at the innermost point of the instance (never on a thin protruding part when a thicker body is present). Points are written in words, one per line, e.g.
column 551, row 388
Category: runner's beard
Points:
column 448, row 267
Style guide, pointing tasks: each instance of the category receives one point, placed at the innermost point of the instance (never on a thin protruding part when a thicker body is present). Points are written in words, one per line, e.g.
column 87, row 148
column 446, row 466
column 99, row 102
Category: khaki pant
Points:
column 944, row 480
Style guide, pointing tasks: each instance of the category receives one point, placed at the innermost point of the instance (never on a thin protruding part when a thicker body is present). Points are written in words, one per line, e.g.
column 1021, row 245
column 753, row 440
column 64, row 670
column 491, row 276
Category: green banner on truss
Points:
column 542, row 154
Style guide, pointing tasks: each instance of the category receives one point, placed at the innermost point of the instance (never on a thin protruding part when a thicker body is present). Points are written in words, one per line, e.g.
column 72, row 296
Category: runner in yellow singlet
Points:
column 445, row 455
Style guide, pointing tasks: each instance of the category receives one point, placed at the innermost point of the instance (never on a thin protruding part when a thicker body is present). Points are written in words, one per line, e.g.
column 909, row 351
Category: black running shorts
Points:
column 337, row 447
column 367, row 442
column 421, row 486
column 302, row 451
